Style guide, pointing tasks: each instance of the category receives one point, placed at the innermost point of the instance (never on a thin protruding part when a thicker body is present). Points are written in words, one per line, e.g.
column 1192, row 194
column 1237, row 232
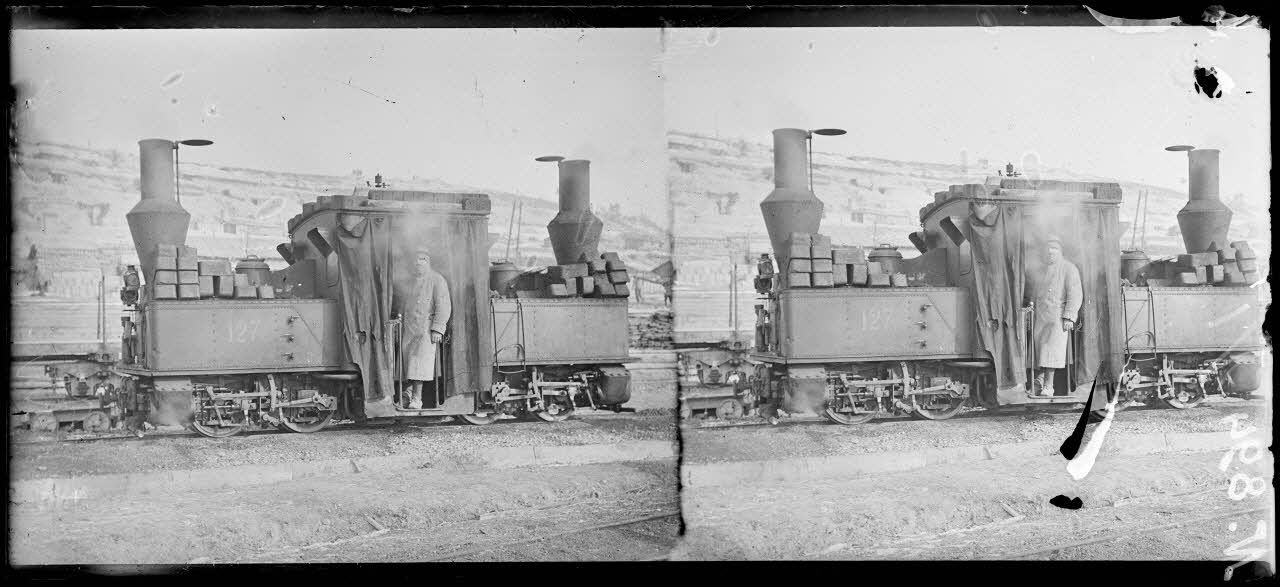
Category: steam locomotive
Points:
column 927, row 335
column 321, row 338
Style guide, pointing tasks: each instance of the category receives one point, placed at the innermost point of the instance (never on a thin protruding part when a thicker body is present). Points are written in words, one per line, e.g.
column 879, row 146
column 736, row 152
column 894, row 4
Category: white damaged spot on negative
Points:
column 1131, row 26
column 1080, row 466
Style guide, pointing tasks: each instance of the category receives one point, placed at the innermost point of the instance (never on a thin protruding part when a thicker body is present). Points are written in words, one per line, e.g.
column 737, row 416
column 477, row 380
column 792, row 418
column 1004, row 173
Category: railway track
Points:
column 1008, row 413
column 187, row 432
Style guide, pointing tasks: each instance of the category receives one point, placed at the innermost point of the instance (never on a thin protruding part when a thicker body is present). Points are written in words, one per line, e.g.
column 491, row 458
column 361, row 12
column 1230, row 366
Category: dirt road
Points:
column 989, row 510
column 401, row 516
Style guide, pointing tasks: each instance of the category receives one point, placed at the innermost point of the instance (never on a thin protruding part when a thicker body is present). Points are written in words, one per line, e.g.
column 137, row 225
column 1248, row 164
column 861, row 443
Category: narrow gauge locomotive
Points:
column 328, row 344
column 957, row 332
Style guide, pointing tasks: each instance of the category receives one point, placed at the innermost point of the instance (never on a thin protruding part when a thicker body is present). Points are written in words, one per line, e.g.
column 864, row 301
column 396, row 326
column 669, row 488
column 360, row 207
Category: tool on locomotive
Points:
column 1055, row 292
column 426, row 319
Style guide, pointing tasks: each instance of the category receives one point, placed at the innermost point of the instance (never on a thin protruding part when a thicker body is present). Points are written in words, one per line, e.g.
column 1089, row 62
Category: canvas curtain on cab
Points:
column 1002, row 235
column 363, row 247
column 995, row 236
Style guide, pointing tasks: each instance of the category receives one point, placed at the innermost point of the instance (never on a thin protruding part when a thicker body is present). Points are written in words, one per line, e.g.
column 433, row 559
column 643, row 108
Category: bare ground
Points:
column 189, row 451
column 401, row 516
column 988, row 509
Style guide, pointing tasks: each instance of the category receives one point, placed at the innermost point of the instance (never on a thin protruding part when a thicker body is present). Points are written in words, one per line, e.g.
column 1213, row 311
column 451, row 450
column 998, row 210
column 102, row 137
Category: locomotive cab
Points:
column 990, row 240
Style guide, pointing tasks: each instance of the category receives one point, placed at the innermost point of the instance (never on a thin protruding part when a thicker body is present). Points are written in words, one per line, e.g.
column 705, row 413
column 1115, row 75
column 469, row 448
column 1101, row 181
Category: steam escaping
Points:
column 415, row 230
column 172, row 409
column 807, row 403
column 806, row 399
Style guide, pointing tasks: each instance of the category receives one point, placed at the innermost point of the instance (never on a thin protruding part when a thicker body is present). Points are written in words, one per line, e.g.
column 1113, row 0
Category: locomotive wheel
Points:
column 730, row 409
column 44, row 422
column 1123, row 403
column 96, row 421
column 554, row 412
column 935, row 409
column 480, row 420
column 1184, row 395
column 216, row 431
column 847, row 418
column 212, row 430
column 305, row 427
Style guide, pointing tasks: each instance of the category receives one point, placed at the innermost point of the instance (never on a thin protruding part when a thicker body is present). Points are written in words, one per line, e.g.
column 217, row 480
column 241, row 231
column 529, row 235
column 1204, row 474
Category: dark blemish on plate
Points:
column 1063, row 502
column 1207, row 82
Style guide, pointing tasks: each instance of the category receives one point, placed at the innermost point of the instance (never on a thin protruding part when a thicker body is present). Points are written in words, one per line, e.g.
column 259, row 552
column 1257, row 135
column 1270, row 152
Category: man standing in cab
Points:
column 1055, row 290
column 427, row 317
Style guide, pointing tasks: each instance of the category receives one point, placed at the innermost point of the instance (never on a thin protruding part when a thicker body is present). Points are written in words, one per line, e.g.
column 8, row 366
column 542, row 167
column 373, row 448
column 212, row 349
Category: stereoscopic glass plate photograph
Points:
column 874, row 284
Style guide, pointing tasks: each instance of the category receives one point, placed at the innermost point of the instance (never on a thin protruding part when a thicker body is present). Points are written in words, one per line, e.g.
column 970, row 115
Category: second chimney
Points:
column 1205, row 219
column 575, row 231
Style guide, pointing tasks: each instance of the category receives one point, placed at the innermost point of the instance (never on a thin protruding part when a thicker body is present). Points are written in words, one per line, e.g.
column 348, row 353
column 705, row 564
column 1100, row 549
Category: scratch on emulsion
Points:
column 172, row 80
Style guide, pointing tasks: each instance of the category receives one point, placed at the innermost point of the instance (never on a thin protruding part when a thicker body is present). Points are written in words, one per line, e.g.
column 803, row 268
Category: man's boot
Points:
column 1044, row 382
column 415, row 396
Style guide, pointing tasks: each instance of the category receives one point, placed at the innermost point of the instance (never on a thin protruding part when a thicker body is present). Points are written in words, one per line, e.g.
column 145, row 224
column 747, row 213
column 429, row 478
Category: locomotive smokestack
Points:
column 790, row 160
column 1205, row 219
column 791, row 206
column 575, row 230
column 158, row 218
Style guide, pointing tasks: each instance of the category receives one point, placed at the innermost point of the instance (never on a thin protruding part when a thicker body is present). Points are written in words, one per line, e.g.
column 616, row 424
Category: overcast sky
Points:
column 471, row 106
column 1093, row 100
column 475, row 106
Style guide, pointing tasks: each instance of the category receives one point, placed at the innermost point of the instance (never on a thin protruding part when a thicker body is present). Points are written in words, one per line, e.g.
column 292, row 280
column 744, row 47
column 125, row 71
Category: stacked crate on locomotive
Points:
column 560, row 333
column 851, row 353
column 1186, row 338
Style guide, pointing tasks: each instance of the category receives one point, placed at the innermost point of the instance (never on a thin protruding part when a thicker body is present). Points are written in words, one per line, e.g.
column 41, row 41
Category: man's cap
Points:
column 421, row 250
column 1053, row 238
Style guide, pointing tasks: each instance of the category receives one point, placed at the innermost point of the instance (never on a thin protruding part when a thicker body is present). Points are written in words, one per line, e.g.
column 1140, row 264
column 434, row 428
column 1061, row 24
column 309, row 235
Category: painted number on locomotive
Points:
column 243, row 331
column 874, row 319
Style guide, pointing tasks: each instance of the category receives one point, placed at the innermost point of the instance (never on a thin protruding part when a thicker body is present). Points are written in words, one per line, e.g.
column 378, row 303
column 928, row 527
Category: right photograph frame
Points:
column 965, row 293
